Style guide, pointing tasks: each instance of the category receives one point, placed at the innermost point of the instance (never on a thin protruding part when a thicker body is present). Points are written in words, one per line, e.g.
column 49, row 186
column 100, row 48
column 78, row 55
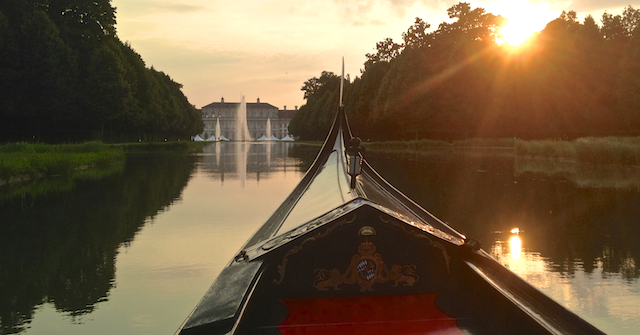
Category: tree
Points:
column 37, row 67
column 387, row 50
column 574, row 79
column 314, row 118
column 628, row 78
column 82, row 22
column 315, row 87
column 613, row 28
column 107, row 88
column 65, row 74
column 310, row 87
column 631, row 20
column 570, row 16
column 416, row 36
column 471, row 25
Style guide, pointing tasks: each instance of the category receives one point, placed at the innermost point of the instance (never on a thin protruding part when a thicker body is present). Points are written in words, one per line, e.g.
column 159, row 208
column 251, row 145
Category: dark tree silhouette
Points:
column 65, row 76
column 572, row 79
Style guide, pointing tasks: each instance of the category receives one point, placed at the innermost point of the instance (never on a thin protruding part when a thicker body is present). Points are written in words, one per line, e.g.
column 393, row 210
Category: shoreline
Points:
column 22, row 161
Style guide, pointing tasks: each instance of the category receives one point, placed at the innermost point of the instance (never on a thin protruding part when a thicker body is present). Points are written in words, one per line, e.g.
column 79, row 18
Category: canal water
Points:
column 132, row 251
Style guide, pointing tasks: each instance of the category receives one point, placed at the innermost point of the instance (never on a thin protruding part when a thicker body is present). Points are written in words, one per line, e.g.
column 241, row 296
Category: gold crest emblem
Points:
column 365, row 269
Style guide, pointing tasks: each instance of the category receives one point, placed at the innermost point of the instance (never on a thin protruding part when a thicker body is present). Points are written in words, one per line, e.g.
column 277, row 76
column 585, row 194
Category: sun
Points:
column 523, row 19
column 515, row 33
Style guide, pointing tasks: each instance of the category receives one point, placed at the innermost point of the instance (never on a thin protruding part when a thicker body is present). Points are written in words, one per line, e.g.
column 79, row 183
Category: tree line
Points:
column 66, row 76
column 571, row 79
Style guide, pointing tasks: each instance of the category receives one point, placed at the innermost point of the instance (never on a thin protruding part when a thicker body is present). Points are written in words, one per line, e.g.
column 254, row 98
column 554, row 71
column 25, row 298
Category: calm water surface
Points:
column 133, row 252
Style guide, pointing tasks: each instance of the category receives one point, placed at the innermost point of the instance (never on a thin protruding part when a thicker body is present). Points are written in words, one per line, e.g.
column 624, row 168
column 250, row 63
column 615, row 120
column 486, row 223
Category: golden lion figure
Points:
column 403, row 274
column 322, row 283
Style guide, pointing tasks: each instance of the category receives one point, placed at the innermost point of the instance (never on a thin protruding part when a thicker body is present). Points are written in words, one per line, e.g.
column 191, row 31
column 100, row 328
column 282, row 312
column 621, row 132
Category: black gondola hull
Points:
column 367, row 271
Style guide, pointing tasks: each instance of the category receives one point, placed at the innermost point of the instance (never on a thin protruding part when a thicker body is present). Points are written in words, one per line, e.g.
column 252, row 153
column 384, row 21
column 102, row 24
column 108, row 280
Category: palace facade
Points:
column 257, row 115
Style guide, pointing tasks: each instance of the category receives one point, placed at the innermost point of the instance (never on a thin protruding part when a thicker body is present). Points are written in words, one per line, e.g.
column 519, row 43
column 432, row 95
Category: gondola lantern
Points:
column 355, row 159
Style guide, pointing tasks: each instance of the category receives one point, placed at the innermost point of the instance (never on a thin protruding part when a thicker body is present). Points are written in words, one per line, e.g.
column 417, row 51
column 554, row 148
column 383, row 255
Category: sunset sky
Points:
column 266, row 49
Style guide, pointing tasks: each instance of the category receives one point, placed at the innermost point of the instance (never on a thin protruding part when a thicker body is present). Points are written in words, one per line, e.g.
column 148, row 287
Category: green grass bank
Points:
column 479, row 143
column 26, row 161
column 593, row 150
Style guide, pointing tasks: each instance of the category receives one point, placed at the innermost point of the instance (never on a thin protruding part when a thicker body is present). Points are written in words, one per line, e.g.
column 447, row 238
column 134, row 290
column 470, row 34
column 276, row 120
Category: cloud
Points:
column 181, row 8
column 596, row 5
column 400, row 7
column 364, row 9
column 370, row 13
column 145, row 7
column 355, row 8
column 580, row 6
column 370, row 23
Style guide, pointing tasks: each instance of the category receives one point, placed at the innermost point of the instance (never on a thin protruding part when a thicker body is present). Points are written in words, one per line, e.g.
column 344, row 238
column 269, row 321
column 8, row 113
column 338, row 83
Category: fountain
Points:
column 268, row 129
column 242, row 128
column 218, row 129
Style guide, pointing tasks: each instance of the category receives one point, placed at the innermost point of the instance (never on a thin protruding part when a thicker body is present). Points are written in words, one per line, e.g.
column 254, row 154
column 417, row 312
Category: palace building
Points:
column 257, row 115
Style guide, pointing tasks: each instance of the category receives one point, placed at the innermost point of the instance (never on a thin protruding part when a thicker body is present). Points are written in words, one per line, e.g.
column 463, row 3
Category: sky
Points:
column 267, row 49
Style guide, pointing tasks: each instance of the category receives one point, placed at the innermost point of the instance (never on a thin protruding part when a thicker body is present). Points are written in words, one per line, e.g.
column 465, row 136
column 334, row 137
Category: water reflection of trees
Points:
column 57, row 184
column 572, row 223
column 60, row 248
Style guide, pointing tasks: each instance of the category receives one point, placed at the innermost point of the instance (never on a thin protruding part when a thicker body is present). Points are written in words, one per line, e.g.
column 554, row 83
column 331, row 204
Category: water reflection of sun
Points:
column 515, row 246
column 505, row 251
column 605, row 298
column 509, row 251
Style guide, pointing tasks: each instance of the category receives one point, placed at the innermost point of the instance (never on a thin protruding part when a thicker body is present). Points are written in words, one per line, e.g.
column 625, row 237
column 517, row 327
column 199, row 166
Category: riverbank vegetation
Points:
column 26, row 161
column 477, row 143
column 67, row 77
column 155, row 147
column 573, row 79
column 592, row 150
column 606, row 150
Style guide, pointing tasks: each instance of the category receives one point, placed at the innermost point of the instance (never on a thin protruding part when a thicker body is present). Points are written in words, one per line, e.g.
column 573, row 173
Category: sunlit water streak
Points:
column 598, row 297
